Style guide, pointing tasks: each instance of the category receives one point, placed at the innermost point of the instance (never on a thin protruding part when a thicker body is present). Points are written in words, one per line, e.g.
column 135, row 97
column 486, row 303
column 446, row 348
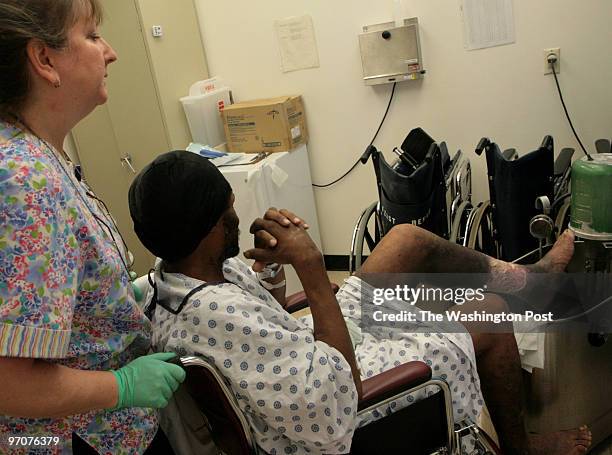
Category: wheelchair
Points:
column 528, row 205
column 425, row 427
column 435, row 195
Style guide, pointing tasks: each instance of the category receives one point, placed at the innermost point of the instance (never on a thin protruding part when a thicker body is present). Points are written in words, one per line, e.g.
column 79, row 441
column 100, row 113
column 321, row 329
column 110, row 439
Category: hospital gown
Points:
column 297, row 393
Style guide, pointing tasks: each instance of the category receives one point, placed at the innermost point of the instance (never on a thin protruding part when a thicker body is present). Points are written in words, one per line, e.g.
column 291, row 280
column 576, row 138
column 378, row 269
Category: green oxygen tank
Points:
column 591, row 211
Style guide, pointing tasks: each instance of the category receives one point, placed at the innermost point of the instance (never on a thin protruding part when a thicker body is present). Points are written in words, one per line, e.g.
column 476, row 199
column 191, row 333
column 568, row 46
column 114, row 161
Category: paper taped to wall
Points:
column 487, row 23
column 297, row 43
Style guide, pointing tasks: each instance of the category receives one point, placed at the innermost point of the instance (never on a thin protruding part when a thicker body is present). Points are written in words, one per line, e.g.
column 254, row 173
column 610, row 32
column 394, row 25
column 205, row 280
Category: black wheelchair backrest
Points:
column 514, row 186
column 417, row 198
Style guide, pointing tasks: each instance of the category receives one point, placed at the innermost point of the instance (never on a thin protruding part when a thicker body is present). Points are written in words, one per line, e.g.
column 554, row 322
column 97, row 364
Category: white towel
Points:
column 530, row 346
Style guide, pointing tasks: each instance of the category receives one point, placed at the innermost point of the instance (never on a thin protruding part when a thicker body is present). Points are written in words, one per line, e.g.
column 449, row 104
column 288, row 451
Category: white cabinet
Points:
column 281, row 180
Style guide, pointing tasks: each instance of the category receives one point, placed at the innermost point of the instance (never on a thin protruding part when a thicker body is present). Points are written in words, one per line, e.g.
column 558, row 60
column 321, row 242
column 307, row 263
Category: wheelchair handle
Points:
column 367, row 153
column 547, row 142
column 482, row 144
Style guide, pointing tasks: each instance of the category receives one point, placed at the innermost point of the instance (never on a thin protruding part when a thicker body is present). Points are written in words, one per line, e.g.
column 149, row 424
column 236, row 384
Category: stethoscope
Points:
column 130, row 257
column 81, row 187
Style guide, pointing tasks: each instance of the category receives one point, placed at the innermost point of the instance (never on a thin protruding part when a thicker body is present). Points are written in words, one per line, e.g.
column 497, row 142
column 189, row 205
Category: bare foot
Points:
column 556, row 260
column 568, row 442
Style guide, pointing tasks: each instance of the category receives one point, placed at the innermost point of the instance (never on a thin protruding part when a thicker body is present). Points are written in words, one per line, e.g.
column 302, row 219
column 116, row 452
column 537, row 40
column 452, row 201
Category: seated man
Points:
column 298, row 381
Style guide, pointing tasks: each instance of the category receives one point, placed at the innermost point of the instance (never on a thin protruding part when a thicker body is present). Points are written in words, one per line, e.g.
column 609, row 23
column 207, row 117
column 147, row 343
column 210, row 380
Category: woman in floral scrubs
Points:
column 67, row 311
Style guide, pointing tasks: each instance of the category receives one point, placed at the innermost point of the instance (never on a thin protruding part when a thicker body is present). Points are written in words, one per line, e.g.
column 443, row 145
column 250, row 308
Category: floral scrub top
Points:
column 65, row 295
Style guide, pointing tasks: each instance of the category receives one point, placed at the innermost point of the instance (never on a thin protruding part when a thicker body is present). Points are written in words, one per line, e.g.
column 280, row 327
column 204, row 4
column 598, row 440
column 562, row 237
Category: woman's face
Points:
column 82, row 65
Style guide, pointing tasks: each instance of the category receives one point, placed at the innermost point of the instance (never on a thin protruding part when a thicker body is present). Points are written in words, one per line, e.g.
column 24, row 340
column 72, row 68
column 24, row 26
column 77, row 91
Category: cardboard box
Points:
column 268, row 125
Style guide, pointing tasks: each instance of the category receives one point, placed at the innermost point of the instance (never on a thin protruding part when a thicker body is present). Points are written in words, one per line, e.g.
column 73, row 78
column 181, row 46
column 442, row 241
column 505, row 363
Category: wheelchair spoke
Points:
column 460, row 220
column 369, row 240
column 480, row 236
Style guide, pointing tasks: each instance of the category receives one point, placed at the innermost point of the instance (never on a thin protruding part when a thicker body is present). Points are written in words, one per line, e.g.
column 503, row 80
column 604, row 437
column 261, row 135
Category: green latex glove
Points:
column 138, row 294
column 148, row 382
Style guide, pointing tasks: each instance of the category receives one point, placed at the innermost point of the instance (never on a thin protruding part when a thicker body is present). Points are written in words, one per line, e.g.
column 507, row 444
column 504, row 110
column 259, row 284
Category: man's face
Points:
column 232, row 233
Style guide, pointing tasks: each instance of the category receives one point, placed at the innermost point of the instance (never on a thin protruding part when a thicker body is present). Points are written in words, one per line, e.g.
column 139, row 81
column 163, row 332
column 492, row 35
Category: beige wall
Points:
column 173, row 72
column 499, row 92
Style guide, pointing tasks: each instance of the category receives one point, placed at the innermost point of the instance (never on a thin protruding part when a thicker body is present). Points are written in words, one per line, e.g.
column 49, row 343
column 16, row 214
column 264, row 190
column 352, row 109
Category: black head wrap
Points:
column 175, row 202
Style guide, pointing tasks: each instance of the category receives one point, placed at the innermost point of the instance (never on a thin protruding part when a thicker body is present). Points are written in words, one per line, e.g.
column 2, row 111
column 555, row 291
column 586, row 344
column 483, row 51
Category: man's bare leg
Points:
column 499, row 367
column 409, row 249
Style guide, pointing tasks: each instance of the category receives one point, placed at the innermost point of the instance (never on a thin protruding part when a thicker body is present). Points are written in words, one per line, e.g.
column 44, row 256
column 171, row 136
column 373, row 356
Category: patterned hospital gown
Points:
column 64, row 293
column 297, row 393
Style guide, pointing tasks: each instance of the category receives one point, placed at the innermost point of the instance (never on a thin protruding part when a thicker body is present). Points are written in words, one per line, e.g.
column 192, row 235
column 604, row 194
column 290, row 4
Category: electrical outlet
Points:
column 157, row 31
column 557, row 52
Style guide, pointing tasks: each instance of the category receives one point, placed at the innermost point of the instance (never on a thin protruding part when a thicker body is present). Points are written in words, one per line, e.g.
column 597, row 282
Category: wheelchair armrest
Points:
column 393, row 381
column 298, row 301
column 510, row 154
column 563, row 161
column 603, row 146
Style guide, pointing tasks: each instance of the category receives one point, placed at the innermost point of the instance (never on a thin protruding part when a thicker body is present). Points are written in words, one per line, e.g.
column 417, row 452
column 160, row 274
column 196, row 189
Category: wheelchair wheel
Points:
column 460, row 221
column 363, row 242
column 479, row 230
column 563, row 217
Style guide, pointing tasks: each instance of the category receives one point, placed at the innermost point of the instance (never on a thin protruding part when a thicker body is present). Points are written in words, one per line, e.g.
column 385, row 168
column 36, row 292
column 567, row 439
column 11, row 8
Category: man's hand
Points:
column 284, row 217
column 265, row 239
column 280, row 241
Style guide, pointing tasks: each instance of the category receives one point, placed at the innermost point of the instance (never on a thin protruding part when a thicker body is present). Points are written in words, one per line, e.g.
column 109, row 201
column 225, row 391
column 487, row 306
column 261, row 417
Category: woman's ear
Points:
column 40, row 57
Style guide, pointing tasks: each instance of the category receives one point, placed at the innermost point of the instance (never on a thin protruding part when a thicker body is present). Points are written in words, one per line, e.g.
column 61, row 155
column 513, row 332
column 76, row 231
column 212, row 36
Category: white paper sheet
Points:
column 487, row 23
column 297, row 43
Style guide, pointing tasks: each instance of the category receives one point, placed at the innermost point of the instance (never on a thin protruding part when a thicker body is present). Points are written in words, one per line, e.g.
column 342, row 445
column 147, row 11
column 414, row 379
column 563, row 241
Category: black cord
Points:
column 79, row 177
column 371, row 142
column 552, row 67
column 109, row 230
column 339, row 178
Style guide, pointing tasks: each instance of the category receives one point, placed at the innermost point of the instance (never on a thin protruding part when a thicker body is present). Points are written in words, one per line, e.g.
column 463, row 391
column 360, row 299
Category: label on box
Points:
column 240, row 128
column 296, row 132
column 271, row 144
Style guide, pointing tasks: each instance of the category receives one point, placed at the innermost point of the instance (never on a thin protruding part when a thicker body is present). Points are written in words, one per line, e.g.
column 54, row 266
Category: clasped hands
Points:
column 281, row 237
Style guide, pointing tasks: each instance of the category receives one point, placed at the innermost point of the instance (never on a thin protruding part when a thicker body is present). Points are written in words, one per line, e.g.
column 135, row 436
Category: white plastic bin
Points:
column 203, row 109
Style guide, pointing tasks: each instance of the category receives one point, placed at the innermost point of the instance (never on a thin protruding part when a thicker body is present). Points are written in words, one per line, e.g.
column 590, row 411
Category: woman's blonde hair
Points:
column 24, row 20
